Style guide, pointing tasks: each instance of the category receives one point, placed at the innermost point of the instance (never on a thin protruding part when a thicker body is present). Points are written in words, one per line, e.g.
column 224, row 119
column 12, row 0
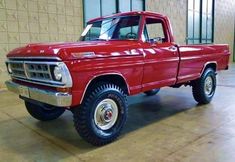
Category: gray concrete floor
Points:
column 167, row 127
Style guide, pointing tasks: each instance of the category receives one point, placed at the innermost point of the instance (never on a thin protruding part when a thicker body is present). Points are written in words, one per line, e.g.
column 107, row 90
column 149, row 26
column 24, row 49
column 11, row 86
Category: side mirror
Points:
column 157, row 40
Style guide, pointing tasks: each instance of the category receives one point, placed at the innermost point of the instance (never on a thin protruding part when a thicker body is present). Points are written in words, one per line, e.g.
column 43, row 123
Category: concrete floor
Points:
column 167, row 127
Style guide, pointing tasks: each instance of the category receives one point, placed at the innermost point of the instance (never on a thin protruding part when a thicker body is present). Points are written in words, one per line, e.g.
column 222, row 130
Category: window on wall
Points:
column 130, row 5
column 97, row 8
column 200, row 21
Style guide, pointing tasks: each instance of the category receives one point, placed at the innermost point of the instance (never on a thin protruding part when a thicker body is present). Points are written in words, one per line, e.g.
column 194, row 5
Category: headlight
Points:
column 57, row 73
column 9, row 68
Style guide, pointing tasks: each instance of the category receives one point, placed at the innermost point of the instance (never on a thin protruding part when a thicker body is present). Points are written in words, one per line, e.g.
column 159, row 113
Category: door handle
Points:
column 173, row 48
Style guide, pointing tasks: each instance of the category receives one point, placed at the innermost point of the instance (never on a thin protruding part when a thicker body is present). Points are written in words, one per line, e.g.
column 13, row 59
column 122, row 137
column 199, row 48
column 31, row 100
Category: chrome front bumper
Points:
column 45, row 96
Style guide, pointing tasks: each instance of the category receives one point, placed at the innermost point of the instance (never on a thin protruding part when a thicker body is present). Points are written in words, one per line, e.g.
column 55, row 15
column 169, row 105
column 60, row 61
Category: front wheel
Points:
column 204, row 88
column 44, row 112
column 102, row 115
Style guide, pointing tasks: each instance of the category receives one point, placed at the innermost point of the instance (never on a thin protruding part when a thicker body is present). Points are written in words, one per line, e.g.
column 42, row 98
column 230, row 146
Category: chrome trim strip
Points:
column 41, row 62
column 45, row 96
column 52, row 84
column 35, row 58
column 207, row 63
column 25, row 70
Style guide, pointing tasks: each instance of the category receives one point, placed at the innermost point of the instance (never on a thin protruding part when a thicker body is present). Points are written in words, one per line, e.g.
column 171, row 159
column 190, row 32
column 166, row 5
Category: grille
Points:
column 18, row 69
column 38, row 71
column 32, row 71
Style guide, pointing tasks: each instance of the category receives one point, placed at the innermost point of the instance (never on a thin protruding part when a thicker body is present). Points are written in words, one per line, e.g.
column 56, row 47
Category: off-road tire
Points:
column 84, row 120
column 198, row 87
column 43, row 112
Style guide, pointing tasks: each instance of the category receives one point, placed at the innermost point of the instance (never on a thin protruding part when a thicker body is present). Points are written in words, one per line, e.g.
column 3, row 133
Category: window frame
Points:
column 164, row 24
column 164, row 27
column 200, row 24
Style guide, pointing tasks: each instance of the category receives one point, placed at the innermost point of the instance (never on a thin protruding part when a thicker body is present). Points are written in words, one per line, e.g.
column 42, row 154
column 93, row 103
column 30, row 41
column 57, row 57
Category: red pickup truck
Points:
column 117, row 56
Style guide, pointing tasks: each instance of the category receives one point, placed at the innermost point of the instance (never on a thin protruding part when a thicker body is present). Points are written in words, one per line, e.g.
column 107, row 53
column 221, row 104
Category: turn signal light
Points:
column 63, row 90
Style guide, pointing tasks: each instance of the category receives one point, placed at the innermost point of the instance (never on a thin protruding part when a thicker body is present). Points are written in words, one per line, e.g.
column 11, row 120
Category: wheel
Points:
column 204, row 88
column 152, row 92
column 44, row 112
column 102, row 115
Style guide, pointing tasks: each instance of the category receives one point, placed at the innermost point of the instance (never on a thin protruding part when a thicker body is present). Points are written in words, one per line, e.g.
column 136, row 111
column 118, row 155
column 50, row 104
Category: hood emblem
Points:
column 41, row 51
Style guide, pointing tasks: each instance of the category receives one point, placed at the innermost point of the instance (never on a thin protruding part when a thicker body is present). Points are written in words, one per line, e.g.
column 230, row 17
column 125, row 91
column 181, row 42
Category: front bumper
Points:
column 45, row 96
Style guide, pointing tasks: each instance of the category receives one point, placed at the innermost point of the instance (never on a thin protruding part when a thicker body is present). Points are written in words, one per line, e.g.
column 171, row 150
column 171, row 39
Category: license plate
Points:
column 24, row 91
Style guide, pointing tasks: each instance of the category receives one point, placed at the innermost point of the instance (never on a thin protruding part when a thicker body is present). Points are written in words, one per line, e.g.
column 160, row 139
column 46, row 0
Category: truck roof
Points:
column 132, row 13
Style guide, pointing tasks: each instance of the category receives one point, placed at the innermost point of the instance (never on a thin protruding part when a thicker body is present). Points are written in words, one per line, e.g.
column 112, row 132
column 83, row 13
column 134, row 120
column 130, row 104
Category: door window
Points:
column 154, row 31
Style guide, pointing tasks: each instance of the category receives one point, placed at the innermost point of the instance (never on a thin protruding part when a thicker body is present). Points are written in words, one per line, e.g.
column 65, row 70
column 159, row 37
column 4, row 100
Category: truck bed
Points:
column 193, row 58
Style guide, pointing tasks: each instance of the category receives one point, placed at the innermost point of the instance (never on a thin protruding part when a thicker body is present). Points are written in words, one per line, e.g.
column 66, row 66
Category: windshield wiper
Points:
column 99, row 39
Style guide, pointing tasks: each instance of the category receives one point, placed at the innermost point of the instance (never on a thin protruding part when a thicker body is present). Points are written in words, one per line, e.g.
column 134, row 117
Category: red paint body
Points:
column 142, row 65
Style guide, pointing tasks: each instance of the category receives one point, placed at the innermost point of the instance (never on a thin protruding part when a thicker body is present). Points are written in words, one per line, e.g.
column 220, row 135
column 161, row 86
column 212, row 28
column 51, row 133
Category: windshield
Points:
column 119, row 28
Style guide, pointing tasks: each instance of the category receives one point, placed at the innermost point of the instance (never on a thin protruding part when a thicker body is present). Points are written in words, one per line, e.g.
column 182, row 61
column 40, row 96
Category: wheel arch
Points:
column 212, row 64
column 115, row 78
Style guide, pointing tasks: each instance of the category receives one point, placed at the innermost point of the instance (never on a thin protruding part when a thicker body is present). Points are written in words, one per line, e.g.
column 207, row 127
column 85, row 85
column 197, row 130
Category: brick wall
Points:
column 224, row 23
column 24, row 21
column 176, row 10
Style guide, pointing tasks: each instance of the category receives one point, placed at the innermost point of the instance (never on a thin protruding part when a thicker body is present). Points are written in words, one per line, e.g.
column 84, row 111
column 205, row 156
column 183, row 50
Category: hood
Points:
column 73, row 50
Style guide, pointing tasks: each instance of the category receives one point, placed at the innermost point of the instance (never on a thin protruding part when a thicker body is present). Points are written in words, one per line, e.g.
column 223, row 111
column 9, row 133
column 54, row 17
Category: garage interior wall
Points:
column 224, row 23
column 25, row 21
column 177, row 12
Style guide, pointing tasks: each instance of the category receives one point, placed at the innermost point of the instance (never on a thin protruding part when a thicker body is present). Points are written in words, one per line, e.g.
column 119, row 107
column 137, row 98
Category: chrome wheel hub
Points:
column 208, row 87
column 106, row 113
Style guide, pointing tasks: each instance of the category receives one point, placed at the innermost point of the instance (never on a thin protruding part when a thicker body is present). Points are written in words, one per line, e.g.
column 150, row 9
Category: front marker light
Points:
column 83, row 54
column 57, row 73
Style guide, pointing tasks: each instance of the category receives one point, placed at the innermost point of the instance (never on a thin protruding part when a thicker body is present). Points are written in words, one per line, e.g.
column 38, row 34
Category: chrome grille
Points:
column 38, row 71
column 18, row 69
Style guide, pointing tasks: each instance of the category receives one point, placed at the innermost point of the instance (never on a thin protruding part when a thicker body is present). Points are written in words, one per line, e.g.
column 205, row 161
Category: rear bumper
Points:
column 45, row 96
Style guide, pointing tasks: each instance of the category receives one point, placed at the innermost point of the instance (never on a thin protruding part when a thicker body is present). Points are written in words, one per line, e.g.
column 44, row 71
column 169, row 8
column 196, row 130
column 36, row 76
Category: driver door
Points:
column 161, row 56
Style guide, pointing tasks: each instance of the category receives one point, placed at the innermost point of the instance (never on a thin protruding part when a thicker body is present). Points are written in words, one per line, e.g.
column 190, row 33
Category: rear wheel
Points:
column 152, row 92
column 204, row 88
column 44, row 112
column 102, row 115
